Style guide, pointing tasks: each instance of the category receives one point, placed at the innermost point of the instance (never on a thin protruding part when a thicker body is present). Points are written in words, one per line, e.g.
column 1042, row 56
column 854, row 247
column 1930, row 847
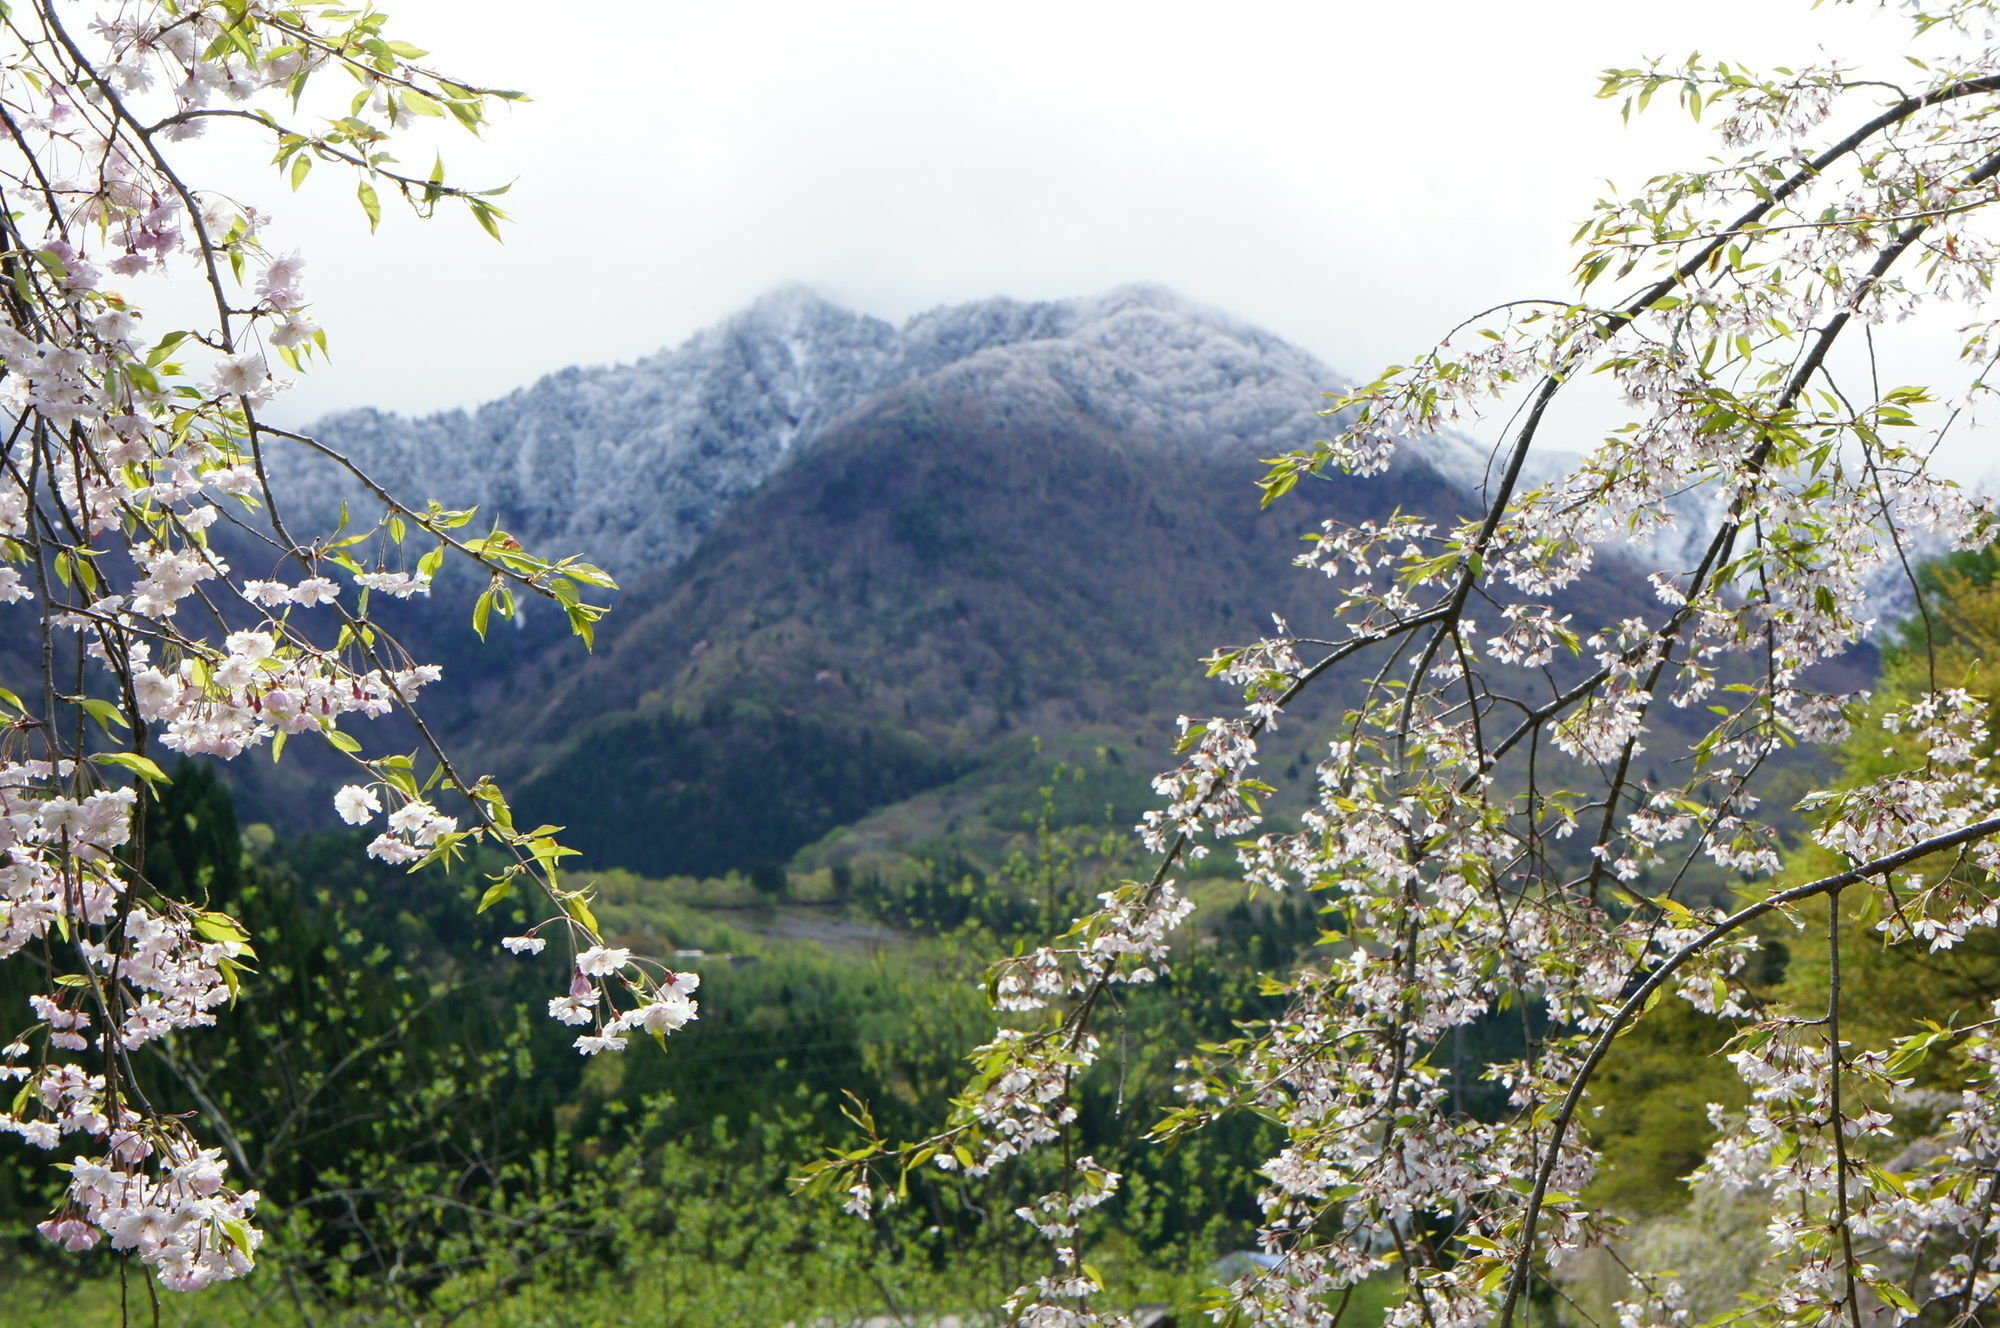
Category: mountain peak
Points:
column 792, row 305
column 632, row 464
column 1149, row 297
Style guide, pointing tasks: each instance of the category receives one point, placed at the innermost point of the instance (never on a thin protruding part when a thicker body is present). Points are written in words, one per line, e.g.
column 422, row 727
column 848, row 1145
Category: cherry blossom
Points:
column 1523, row 770
column 135, row 443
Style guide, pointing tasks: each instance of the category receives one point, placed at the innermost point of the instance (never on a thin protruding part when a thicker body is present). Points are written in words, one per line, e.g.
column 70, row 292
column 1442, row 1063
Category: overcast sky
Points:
column 1353, row 176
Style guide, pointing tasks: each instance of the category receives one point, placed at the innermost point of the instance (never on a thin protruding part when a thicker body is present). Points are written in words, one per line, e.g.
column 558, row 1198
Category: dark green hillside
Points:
column 737, row 787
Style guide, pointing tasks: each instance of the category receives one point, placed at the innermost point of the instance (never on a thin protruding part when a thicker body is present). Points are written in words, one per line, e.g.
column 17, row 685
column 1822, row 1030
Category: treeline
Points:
column 663, row 793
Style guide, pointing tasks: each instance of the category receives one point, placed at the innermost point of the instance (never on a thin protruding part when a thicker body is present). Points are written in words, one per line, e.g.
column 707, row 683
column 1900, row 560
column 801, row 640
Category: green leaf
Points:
column 302, row 165
column 221, row 927
column 165, row 348
column 1277, row 485
column 578, row 907
column 137, row 764
column 499, row 890
column 547, row 851
column 370, row 204
column 583, row 623
column 1887, row 1179
column 241, row 42
column 487, row 217
column 103, row 712
column 1895, row 1295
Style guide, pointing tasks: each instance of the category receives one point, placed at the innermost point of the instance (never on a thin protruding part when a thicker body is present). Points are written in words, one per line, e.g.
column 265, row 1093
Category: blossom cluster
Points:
column 134, row 456
column 1502, row 817
column 154, row 1192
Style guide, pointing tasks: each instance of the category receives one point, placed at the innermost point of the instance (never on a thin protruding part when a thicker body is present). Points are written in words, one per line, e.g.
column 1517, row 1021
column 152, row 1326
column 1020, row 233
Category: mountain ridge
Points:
column 1005, row 547
column 630, row 465
column 864, row 563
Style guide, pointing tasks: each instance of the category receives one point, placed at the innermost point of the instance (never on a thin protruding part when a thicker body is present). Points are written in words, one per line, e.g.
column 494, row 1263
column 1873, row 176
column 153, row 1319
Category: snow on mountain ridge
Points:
column 632, row 464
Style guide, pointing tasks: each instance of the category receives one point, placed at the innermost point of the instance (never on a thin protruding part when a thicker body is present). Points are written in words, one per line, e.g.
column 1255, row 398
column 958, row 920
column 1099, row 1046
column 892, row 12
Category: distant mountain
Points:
column 975, row 555
column 632, row 464
column 864, row 565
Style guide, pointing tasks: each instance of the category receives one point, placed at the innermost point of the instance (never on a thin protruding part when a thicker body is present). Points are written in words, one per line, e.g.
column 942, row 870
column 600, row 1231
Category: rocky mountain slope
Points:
column 865, row 565
column 632, row 464
column 972, row 557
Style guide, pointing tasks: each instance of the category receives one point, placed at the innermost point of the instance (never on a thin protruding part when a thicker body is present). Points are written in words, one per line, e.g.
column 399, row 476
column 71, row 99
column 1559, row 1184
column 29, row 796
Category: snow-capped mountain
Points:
column 863, row 562
column 631, row 464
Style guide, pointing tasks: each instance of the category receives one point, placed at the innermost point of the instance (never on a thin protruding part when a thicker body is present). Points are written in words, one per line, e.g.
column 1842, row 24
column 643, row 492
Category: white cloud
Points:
column 1352, row 176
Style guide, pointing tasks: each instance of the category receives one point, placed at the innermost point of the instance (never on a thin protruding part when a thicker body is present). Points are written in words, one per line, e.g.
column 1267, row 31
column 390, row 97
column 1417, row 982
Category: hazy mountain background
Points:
column 875, row 578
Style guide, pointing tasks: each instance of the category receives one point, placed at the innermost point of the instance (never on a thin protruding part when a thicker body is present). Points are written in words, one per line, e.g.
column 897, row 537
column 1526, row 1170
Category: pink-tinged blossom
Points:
column 73, row 1234
column 115, row 326
column 671, row 1011
column 279, row 286
column 242, row 482
column 251, row 645
column 398, row 584
column 579, row 1006
column 294, row 329
column 420, row 822
column 314, row 590
column 392, row 850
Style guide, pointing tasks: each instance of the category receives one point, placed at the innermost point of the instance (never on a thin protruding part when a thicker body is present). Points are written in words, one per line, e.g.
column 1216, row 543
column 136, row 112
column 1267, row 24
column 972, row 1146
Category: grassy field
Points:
column 664, row 1292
